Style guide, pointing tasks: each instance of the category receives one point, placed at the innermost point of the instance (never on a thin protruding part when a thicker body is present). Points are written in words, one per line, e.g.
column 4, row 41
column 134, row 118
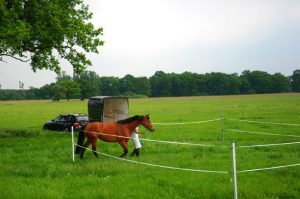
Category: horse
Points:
column 119, row 131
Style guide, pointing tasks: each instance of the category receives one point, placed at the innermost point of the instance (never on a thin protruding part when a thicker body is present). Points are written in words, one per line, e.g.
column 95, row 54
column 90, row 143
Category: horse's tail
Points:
column 80, row 139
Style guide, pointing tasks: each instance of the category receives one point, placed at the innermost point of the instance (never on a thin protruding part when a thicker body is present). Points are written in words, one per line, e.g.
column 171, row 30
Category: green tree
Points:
column 89, row 84
column 38, row 31
column 66, row 89
column 234, row 84
column 11, row 95
column 127, row 84
column 46, row 91
column 217, row 84
column 135, row 85
column 109, row 86
column 161, row 84
column 295, row 81
column 31, row 93
column 260, row 81
column 63, row 76
column 280, row 83
column 142, row 86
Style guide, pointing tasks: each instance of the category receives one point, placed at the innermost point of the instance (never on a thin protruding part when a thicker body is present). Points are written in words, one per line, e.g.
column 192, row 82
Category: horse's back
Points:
column 102, row 131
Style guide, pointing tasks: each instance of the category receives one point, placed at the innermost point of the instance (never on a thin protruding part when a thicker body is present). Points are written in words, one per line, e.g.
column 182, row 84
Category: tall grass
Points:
column 40, row 166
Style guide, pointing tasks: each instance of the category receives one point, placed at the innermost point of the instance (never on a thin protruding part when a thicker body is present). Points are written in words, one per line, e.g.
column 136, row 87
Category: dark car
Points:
column 64, row 122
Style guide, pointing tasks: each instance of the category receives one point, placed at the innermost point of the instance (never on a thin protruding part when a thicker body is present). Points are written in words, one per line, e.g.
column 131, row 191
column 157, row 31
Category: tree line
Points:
column 161, row 84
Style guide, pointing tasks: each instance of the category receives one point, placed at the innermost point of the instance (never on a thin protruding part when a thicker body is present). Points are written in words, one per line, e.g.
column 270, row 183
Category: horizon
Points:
column 239, row 74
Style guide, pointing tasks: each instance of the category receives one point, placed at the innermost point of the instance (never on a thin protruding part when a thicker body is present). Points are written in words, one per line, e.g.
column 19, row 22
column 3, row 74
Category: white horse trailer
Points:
column 107, row 108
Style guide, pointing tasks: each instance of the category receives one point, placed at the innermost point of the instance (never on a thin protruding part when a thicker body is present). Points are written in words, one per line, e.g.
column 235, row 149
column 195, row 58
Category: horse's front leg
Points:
column 94, row 146
column 124, row 145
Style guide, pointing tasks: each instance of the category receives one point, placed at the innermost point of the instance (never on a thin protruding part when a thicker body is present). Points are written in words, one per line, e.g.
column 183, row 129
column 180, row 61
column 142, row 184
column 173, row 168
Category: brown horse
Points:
column 119, row 131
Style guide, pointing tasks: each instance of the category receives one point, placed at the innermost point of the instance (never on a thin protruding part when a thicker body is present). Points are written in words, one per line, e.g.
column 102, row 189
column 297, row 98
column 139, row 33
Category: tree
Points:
column 127, row 84
column 160, row 84
column 109, row 86
column 31, row 93
column 89, row 84
column 260, row 81
column 135, row 85
column 295, row 81
column 38, row 31
column 46, row 91
column 11, row 95
column 66, row 89
column 217, row 84
column 142, row 86
column 63, row 76
column 280, row 83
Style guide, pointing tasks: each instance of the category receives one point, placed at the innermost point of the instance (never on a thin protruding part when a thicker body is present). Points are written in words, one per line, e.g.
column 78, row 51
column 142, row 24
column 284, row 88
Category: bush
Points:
column 132, row 95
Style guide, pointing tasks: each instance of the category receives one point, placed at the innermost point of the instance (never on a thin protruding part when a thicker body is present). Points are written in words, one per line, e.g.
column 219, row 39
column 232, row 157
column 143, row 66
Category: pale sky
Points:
column 201, row 36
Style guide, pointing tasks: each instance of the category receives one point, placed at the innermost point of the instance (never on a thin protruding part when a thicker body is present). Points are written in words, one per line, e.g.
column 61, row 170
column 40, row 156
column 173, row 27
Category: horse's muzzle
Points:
column 152, row 129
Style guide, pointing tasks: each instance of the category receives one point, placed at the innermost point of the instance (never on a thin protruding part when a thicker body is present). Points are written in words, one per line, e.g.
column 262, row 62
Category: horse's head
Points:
column 147, row 123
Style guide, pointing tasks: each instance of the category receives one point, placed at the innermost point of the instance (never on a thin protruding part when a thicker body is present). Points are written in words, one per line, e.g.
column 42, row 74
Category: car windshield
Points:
column 82, row 118
column 60, row 118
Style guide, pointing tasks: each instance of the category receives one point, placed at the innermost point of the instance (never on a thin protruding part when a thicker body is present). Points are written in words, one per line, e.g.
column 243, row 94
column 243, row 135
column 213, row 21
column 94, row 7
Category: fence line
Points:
column 197, row 144
column 160, row 141
column 253, row 132
column 234, row 171
column 262, row 145
column 269, row 168
column 259, row 122
column 182, row 123
column 191, row 170
column 156, row 165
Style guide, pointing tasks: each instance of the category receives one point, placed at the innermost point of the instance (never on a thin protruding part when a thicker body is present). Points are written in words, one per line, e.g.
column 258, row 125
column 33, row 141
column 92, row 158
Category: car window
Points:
column 58, row 118
column 72, row 118
column 64, row 118
column 82, row 118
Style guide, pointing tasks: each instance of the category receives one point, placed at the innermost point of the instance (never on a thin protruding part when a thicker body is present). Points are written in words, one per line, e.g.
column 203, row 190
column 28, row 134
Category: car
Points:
column 64, row 122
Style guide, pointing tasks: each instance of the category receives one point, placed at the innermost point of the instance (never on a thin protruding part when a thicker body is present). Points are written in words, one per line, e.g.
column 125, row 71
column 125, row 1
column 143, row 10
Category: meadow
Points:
column 38, row 164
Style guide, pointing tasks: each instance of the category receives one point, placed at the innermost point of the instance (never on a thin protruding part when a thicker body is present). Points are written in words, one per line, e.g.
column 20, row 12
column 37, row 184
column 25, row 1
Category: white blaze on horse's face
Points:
column 147, row 123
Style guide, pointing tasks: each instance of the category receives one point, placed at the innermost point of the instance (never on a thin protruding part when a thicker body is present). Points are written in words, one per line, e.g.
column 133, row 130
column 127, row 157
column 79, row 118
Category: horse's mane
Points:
column 131, row 119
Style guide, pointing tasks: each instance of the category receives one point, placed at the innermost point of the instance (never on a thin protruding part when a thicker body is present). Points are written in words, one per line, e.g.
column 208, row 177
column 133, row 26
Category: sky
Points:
column 200, row 36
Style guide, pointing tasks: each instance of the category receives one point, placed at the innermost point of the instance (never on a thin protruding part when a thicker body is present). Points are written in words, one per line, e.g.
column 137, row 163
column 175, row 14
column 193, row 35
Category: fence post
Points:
column 222, row 128
column 73, row 156
column 234, row 179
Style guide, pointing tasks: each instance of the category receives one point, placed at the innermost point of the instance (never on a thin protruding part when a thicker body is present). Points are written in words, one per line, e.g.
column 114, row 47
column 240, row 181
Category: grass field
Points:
column 38, row 164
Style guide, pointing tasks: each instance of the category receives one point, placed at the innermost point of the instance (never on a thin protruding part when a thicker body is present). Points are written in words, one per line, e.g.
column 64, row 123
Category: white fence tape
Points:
column 160, row 141
column 182, row 123
column 253, row 132
column 191, row 170
column 262, row 145
column 259, row 122
column 269, row 168
column 197, row 144
column 156, row 165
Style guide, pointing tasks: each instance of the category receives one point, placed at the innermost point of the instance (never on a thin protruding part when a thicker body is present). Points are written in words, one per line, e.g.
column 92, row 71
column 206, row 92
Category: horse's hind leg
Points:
column 124, row 145
column 94, row 147
column 85, row 146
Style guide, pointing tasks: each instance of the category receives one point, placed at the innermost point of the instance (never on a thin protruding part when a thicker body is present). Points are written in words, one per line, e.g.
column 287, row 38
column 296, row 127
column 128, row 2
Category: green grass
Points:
column 38, row 164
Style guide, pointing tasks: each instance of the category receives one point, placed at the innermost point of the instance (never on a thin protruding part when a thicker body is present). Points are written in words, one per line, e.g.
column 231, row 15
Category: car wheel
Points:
column 45, row 127
column 68, row 129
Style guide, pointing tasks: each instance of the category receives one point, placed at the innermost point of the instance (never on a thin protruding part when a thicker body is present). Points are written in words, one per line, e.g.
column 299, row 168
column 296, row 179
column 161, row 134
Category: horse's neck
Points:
column 132, row 125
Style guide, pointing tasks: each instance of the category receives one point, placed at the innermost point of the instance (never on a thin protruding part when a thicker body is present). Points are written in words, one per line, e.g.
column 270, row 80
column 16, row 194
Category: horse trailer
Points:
column 107, row 108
